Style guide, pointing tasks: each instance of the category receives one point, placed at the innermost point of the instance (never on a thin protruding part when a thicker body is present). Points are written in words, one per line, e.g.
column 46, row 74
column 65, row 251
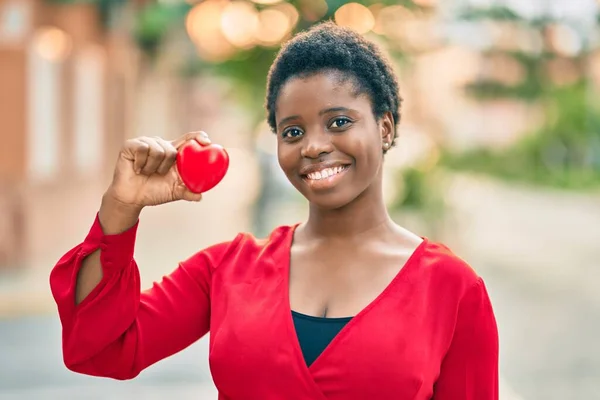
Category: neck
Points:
column 365, row 213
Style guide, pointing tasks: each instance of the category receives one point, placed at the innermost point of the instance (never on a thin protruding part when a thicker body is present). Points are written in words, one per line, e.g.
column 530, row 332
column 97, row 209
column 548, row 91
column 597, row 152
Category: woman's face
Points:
column 330, row 144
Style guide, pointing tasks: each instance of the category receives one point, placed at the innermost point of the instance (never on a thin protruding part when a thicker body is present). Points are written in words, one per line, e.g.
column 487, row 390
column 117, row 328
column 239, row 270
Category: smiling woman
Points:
column 344, row 306
column 332, row 99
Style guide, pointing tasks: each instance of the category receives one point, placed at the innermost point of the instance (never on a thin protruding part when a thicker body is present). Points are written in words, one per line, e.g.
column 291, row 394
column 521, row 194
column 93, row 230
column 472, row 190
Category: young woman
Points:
column 347, row 305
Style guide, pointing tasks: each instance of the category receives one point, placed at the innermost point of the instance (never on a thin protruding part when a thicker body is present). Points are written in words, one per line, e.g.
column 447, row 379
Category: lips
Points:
column 323, row 167
column 323, row 176
column 325, row 173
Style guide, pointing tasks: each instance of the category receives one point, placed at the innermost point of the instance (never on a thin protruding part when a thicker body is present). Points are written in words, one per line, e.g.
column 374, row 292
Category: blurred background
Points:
column 498, row 156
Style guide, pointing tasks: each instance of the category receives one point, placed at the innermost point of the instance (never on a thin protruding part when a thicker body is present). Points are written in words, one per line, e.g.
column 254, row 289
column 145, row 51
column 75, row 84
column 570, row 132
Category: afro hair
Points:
column 327, row 46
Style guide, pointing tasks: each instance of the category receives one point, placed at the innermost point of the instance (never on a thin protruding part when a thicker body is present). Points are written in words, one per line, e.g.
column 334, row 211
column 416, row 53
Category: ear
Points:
column 387, row 128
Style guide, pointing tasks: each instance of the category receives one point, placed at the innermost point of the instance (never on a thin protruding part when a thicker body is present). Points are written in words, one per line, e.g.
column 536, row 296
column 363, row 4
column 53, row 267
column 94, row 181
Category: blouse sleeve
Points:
column 469, row 370
column 117, row 330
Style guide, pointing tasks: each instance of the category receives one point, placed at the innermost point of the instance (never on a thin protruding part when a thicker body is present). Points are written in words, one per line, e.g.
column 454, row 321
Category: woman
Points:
column 346, row 305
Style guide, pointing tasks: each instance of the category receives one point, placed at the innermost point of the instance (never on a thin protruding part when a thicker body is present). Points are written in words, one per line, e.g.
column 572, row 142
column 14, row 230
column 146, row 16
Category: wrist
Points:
column 115, row 216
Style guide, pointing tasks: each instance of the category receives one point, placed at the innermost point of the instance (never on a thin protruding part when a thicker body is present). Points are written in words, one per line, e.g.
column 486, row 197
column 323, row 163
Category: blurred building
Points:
column 66, row 86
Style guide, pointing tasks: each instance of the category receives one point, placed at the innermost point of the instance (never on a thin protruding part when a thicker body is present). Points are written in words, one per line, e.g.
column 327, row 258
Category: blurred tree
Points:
column 154, row 21
column 546, row 61
column 247, row 66
column 535, row 44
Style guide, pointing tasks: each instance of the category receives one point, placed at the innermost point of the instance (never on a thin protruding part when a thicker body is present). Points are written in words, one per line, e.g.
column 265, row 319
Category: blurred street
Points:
column 548, row 339
column 32, row 368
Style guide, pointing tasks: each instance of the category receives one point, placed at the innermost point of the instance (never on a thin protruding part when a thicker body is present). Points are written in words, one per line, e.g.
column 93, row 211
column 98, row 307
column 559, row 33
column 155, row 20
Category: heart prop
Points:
column 201, row 167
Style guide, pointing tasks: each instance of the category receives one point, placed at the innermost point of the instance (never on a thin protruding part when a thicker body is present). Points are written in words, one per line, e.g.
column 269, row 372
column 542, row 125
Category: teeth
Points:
column 325, row 173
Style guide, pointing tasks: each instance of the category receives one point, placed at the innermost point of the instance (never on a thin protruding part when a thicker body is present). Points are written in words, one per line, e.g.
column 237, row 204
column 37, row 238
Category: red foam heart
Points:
column 201, row 167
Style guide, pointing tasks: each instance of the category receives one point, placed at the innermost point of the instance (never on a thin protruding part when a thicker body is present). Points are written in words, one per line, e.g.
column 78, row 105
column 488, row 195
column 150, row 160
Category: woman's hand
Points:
column 146, row 173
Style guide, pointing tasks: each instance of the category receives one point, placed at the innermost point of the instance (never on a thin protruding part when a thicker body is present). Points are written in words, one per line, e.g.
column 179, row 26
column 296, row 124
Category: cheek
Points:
column 371, row 163
column 286, row 158
column 367, row 152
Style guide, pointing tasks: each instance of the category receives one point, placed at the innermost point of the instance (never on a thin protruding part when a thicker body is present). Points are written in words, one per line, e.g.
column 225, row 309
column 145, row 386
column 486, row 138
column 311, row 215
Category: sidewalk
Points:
column 25, row 294
column 549, row 237
column 204, row 391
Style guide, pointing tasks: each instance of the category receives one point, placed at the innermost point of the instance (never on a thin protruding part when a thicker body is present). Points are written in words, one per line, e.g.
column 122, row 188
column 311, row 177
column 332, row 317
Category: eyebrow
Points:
column 325, row 111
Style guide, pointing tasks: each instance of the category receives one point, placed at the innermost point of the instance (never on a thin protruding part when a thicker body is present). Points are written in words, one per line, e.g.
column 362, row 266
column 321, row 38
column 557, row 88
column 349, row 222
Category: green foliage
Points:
column 531, row 88
column 489, row 89
column 414, row 183
column 564, row 152
column 248, row 68
column 154, row 21
column 420, row 190
column 419, row 205
column 503, row 14
column 535, row 81
column 496, row 13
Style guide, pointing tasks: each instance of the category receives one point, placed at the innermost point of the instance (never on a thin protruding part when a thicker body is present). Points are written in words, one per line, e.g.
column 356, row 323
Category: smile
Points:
column 325, row 178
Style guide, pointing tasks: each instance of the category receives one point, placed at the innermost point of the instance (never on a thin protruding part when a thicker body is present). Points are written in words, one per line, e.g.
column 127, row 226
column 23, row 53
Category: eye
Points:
column 339, row 122
column 292, row 133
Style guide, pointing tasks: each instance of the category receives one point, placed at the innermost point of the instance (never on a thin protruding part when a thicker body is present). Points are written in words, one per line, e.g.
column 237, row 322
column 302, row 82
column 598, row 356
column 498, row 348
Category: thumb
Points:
column 200, row 136
column 181, row 192
column 190, row 196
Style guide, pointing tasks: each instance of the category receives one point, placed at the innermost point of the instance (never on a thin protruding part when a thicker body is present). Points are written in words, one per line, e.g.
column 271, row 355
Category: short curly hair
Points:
column 327, row 46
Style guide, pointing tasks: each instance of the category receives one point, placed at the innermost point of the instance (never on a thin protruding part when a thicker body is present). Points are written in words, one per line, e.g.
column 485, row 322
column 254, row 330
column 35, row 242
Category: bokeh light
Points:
column 240, row 23
column 203, row 24
column 52, row 43
column 290, row 11
column 267, row 2
column 219, row 27
column 426, row 3
column 355, row 16
column 390, row 19
column 273, row 26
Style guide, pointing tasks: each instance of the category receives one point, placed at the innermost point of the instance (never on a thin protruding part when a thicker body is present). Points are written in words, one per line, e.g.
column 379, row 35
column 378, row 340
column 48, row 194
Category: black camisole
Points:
column 315, row 333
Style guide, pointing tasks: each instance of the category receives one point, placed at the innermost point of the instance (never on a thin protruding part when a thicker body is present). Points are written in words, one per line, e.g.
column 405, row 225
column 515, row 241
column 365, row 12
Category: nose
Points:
column 316, row 144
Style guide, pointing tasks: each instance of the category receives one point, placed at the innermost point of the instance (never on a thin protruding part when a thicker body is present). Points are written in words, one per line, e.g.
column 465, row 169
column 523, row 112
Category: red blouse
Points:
column 431, row 334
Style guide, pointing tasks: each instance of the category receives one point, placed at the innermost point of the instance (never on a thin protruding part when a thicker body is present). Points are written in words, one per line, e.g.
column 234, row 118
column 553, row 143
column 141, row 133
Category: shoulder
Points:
column 451, row 281
column 280, row 236
column 446, row 270
column 243, row 246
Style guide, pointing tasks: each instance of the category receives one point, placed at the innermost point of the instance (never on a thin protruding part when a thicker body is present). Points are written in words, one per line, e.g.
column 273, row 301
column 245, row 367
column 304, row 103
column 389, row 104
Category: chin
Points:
column 329, row 201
